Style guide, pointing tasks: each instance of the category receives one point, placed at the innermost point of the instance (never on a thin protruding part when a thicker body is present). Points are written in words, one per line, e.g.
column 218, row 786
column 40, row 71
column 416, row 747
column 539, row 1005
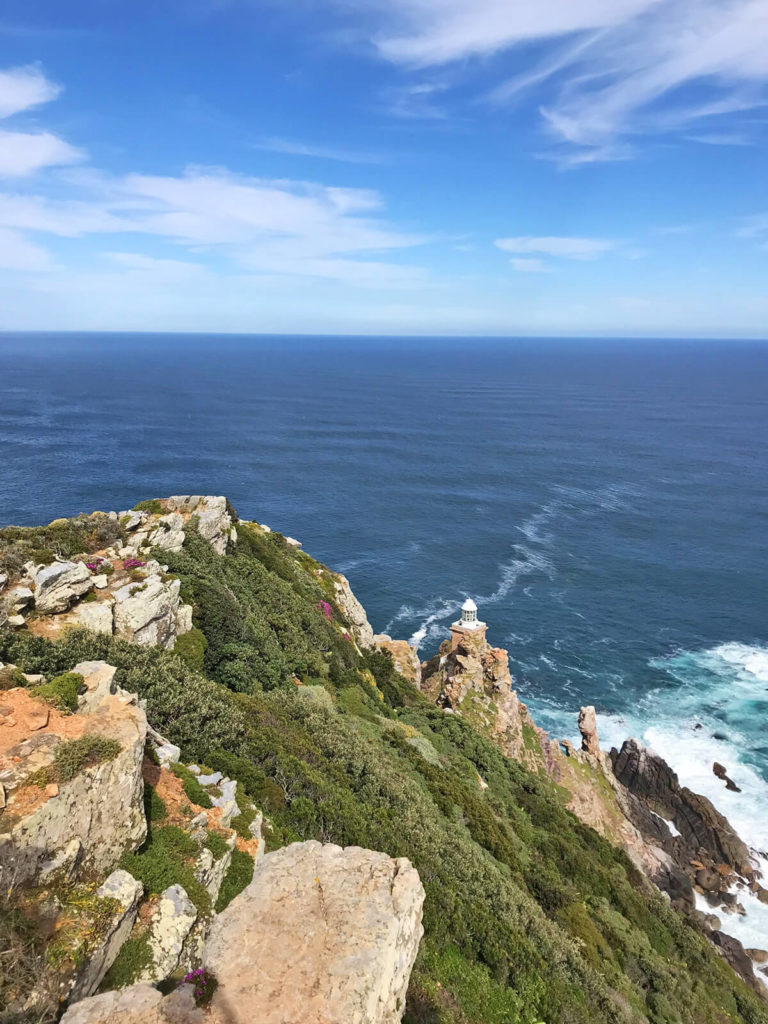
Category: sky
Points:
column 499, row 167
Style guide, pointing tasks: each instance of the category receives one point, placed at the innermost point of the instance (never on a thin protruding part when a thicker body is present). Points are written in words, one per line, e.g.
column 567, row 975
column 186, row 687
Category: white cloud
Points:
column 24, row 87
column 607, row 66
column 570, row 248
column 285, row 228
column 529, row 265
column 428, row 32
column 23, row 153
column 18, row 253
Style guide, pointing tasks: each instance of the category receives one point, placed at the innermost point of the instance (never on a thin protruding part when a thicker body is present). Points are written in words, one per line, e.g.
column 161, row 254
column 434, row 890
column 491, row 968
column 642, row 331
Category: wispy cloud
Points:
column 563, row 247
column 614, row 71
column 529, row 265
column 292, row 147
column 23, row 152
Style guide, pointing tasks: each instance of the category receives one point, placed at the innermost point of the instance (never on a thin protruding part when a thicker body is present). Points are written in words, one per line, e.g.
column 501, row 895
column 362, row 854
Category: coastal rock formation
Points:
column 146, row 613
column 57, row 586
column 322, row 934
column 588, row 729
column 351, row 958
column 405, row 657
column 353, row 612
column 704, row 832
column 471, row 678
column 91, row 810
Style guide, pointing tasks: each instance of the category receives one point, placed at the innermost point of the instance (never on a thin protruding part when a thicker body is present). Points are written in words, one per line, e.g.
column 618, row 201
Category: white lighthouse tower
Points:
column 468, row 626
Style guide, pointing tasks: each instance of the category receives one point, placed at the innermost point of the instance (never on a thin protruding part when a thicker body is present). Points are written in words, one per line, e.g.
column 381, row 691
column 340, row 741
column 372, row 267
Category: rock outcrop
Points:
column 322, row 935
column 353, row 612
column 405, row 657
column 704, row 832
column 588, row 729
column 146, row 613
column 78, row 825
column 58, row 585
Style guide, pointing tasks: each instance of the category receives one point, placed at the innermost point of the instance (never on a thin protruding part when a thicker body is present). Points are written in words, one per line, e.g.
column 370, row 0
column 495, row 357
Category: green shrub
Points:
column 11, row 677
column 61, row 692
column 134, row 958
column 63, row 537
column 151, row 505
column 191, row 647
column 238, row 876
column 193, row 791
column 73, row 756
column 217, row 844
column 167, row 858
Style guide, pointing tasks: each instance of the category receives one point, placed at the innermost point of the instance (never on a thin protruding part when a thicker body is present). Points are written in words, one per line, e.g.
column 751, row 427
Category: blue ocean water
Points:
column 605, row 502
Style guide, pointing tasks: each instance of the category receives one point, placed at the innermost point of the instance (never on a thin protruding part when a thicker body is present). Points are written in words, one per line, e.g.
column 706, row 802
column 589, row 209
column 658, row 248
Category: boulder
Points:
column 101, row 807
column 209, row 871
column 19, row 599
column 353, row 612
column 733, row 951
column 126, row 891
column 145, row 613
column 132, row 1004
column 170, row 925
column 98, row 683
column 349, row 960
column 58, row 585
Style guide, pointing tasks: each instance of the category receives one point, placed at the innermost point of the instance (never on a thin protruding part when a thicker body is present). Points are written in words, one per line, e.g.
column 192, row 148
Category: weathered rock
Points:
column 145, row 613
column 404, row 656
column 209, row 871
column 127, row 891
column 101, row 581
column 733, row 951
column 132, row 1004
column 704, row 832
column 98, row 683
column 101, row 807
column 19, row 599
column 93, row 615
column 353, row 612
column 351, row 957
column 759, row 956
column 171, row 923
column 183, row 619
column 58, row 585
column 590, row 743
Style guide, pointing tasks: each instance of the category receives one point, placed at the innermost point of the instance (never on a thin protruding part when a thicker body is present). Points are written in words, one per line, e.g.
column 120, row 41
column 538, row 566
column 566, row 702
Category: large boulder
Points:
column 334, row 932
column 80, row 826
column 58, row 585
column 145, row 612
column 353, row 612
column 169, row 928
column 590, row 743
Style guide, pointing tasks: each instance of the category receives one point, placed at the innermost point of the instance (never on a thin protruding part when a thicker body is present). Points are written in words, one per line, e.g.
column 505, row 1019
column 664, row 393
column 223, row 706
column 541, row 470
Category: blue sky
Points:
column 385, row 166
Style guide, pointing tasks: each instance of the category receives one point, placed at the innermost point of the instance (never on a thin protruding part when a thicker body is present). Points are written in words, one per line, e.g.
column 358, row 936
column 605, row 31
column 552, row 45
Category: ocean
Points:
column 605, row 502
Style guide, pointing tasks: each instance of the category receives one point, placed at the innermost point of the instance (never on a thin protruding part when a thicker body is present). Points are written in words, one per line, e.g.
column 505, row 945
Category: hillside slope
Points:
column 530, row 915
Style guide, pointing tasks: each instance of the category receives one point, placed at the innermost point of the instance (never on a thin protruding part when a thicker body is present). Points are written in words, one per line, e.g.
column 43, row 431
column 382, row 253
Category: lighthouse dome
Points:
column 469, row 605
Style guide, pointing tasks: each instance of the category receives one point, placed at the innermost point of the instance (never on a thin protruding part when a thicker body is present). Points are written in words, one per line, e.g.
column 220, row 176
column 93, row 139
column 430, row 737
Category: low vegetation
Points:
column 61, row 692
column 62, row 537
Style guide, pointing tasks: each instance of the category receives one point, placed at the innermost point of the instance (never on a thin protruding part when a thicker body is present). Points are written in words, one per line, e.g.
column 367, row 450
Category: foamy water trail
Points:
column 527, row 559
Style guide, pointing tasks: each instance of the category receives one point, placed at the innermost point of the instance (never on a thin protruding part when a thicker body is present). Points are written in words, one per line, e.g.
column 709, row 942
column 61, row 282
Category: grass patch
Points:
column 151, row 505
column 134, row 958
column 238, row 876
column 154, row 806
column 74, row 756
column 191, row 647
column 193, row 791
column 11, row 677
column 167, row 858
column 217, row 844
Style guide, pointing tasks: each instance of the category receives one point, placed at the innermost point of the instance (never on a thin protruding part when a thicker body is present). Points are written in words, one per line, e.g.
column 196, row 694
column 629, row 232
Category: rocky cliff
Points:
column 181, row 692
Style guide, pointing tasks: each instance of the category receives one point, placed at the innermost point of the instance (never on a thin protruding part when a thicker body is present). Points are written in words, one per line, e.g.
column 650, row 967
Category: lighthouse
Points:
column 468, row 629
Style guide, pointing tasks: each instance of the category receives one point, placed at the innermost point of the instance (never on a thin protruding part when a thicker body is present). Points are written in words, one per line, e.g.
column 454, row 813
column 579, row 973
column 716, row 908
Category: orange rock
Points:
column 38, row 719
column 51, row 789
